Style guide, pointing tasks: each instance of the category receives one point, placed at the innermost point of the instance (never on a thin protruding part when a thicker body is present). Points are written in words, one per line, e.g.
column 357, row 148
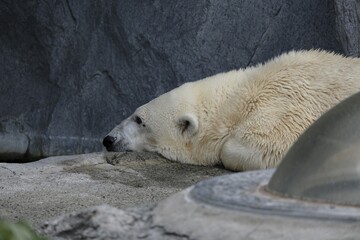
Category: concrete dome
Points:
column 324, row 164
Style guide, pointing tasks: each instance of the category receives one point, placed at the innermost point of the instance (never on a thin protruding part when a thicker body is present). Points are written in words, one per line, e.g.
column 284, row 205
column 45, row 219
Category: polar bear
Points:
column 244, row 119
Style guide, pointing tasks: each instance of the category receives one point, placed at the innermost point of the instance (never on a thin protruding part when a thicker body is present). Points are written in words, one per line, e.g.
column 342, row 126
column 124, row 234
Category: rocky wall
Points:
column 71, row 70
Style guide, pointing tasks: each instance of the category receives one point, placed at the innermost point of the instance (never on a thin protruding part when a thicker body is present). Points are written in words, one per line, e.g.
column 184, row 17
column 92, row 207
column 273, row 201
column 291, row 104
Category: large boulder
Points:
column 71, row 70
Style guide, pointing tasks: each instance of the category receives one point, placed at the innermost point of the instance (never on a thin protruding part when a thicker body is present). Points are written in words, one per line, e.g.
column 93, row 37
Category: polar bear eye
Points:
column 138, row 120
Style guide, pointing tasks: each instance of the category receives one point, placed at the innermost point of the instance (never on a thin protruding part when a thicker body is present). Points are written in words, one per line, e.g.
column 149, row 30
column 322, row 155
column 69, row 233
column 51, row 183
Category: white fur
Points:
column 237, row 155
column 244, row 119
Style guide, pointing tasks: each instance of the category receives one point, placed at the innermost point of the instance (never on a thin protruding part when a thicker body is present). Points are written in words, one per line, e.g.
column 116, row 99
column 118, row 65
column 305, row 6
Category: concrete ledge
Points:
column 13, row 146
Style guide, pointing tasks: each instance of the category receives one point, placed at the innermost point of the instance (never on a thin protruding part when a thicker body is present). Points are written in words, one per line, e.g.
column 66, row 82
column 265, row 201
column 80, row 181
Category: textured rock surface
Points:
column 101, row 222
column 183, row 217
column 53, row 186
column 71, row 70
column 348, row 25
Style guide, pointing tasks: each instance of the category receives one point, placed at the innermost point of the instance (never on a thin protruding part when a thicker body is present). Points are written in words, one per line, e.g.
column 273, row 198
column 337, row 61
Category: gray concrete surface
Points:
column 181, row 216
column 40, row 190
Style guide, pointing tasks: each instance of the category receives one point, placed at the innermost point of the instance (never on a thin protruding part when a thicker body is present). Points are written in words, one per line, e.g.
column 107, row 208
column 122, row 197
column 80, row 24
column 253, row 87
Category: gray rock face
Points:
column 49, row 187
column 71, row 70
column 348, row 25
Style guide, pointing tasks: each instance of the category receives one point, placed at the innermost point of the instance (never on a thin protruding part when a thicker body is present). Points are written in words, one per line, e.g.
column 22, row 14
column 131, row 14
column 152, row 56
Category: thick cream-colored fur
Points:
column 245, row 119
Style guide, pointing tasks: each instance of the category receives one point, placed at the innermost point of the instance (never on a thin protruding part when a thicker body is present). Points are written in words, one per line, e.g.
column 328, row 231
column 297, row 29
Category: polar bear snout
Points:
column 114, row 144
column 125, row 137
column 108, row 142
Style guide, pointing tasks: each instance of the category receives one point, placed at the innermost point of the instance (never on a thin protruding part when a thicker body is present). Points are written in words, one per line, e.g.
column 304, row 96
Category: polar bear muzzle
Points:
column 127, row 136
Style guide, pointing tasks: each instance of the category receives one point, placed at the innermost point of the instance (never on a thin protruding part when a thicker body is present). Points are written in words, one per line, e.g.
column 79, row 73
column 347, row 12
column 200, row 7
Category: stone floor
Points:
column 57, row 185
column 228, row 207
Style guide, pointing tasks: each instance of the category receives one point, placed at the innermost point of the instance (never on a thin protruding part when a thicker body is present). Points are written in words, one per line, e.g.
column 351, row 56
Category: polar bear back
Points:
column 281, row 99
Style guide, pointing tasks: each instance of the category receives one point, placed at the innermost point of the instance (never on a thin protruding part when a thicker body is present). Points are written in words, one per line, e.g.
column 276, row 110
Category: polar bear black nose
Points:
column 108, row 141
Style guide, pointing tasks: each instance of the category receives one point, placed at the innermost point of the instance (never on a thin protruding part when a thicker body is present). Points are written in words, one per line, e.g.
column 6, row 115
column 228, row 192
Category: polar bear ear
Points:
column 188, row 124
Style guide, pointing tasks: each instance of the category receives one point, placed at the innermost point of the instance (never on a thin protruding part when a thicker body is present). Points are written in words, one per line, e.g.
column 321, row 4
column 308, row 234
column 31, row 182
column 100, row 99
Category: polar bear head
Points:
column 177, row 125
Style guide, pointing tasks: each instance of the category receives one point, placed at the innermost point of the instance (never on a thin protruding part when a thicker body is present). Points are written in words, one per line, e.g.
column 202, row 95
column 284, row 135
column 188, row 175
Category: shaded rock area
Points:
column 348, row 25
column 57, row 185
column 71, row 70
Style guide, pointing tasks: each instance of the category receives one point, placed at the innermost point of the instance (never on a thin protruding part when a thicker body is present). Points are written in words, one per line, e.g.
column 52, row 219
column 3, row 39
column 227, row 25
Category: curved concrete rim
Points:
column 247, row 192
column 230, row 207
